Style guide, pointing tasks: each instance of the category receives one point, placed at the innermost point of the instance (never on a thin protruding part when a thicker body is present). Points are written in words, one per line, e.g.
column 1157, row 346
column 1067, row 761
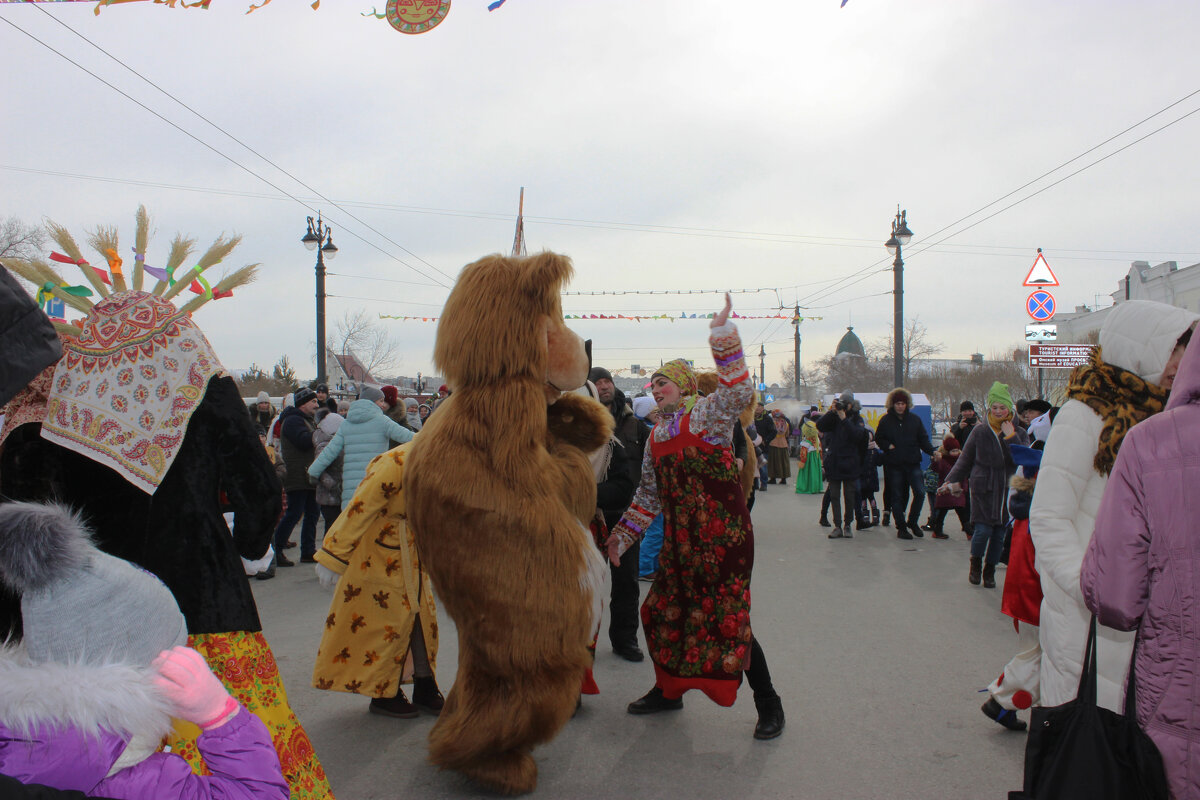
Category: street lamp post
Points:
column 320, row 238
column 762, row 371
column 895, row 244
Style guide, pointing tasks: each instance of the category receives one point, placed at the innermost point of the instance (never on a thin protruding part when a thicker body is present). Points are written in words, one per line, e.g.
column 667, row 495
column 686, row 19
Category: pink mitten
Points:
column 185, row 679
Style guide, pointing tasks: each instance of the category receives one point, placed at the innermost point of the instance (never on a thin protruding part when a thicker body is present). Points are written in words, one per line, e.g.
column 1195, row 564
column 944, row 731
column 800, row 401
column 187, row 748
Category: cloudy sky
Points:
column 673, row 145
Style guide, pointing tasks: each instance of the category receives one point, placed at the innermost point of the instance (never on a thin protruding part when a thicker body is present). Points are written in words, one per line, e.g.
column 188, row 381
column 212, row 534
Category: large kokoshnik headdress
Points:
column 137, row 368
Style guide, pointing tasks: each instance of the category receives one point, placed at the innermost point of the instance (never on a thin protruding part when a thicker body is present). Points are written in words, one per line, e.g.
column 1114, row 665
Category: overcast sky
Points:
column 673, row 145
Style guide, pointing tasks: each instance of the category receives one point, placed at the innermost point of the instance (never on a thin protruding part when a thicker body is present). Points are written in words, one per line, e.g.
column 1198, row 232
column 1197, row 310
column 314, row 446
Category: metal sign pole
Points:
column 1041, row 394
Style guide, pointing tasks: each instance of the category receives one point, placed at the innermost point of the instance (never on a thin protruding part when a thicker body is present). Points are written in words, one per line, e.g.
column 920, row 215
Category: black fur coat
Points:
column 177, row 533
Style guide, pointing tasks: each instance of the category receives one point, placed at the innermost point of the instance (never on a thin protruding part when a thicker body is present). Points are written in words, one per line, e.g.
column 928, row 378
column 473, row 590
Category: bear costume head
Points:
column 499, row 491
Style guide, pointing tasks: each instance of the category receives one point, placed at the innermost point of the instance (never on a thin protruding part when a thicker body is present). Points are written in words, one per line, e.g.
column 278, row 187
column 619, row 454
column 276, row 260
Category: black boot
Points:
column 887, row 518
column 426, row 695
column 989, row 576
column 770, row 717
column 973, row 576
column 653, row 702
column 875, row 517
column 1008, row 719
column 915, row 527
column 397, row 706
column 824, row 521
column 901, row 532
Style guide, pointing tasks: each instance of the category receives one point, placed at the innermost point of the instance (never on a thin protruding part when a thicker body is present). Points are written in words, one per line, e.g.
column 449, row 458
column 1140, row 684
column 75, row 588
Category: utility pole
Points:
column 895, row 245
column 796, row 371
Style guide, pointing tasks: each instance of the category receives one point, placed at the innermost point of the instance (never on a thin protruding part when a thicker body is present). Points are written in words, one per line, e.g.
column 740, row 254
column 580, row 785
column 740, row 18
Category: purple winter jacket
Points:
column 239, row 753
column 1142, row 570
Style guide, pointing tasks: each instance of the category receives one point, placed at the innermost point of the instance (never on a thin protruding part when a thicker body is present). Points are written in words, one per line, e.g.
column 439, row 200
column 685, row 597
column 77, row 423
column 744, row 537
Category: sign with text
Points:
column 1059, row 356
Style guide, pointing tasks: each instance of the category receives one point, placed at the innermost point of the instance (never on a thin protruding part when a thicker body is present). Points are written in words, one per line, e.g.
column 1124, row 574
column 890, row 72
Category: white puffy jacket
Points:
column 1138, row 336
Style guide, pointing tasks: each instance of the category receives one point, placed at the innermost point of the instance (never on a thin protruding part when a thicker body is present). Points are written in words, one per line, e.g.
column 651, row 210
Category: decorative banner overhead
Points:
column 629, row 317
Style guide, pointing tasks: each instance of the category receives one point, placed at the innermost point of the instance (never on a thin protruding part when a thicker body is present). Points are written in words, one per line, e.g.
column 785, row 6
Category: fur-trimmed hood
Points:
column 1021, row 483
column 119, row 698
column 899, row 393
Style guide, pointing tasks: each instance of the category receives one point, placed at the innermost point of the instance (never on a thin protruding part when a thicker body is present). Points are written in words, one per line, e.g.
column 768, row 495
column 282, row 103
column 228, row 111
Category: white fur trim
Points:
column 118, row 698
column 592, row 576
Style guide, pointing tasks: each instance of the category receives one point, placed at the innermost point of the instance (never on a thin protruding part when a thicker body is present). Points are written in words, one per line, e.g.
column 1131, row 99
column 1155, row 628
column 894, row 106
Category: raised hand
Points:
column 722, row 316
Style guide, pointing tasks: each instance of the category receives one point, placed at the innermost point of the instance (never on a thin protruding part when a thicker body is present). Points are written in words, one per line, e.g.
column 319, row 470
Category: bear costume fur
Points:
column 499, row 492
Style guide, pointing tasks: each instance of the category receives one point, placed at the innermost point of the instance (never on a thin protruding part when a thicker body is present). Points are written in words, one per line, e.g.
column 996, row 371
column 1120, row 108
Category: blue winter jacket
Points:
column 366, row 433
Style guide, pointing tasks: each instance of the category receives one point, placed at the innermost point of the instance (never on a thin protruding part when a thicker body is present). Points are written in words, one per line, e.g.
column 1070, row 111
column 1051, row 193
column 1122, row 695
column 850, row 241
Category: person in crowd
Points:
column 394, row 410
column 1127, row 381
column 323, row 398
column 612, row 498
column 697, row 613
column 366, row 433
column 297, row 425
column 868, row 485
column 986, row 461
column 443, row 393
column 847, row 437
column 809, row 471
column 276, row 427
column 329, row 485
column 779, row 464
column 423, row 411
column 382, row 629
column 1141, row 572
column 261, row 411
column 766, row 431
column 646, row 411
column 902, row 437
column 932, row 481
column 411, row 415
column 112, row 633
column 1017, row 686
column 944, row 502
column 966, row 422
column 1029, row 410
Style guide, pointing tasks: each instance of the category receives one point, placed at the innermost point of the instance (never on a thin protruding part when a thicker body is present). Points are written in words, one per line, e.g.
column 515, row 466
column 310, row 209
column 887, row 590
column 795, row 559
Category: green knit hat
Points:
column 999, row 394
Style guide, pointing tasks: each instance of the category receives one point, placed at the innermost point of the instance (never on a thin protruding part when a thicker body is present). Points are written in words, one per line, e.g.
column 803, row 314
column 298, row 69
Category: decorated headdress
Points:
column 136, row 367
column 680, row 373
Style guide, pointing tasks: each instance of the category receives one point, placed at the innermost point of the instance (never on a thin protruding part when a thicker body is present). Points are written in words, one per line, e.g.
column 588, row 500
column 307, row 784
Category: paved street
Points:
column 879, row 648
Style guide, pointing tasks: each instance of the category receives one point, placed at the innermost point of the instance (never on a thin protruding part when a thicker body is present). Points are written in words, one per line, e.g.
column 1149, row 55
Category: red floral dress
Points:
column 696, row 616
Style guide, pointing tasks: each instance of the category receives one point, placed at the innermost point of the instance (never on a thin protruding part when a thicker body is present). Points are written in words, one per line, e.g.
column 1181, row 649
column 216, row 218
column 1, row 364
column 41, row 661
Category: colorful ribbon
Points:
column 47, row 291
column 114, row 262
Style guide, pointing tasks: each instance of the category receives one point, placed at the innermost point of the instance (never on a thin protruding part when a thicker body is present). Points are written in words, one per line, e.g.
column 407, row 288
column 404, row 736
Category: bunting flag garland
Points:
column 628, row 317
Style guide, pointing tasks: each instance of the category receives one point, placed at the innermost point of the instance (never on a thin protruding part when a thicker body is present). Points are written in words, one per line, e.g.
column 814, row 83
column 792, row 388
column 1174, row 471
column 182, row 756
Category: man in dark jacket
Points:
column 846, row 446
column 967, row 420
column 296, row 429
column 766, row 431
column 902, row 437
column 613, row 496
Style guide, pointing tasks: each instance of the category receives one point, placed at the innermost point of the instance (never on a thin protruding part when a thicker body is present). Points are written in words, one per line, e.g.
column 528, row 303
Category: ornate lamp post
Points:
column 320, row 238
column 895, row 245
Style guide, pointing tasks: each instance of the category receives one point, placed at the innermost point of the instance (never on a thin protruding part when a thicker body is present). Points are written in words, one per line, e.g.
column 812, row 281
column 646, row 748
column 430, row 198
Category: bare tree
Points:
column 19, row 240
column 368, row 340
column 917, row 346
column 854, row 373
column 810, row 380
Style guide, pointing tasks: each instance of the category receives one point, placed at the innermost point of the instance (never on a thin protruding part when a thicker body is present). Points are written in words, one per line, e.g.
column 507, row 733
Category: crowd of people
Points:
column 1087, row 503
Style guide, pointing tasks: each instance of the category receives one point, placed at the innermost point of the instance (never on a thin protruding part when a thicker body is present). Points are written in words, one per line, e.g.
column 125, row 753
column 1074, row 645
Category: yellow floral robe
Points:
column 382, row 589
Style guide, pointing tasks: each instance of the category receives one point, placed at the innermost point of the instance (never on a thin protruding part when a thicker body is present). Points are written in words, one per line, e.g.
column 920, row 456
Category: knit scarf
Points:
column 1121, row 398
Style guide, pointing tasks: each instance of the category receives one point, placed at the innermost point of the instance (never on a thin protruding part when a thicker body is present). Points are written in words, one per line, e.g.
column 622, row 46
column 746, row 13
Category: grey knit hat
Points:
column 371, row 393
column 78, row 604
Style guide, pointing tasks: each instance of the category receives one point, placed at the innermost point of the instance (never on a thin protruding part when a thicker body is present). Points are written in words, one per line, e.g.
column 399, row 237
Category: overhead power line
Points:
column 218, row 152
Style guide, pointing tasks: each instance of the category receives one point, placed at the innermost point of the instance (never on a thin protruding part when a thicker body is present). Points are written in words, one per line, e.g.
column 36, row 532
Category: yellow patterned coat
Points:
column 382, row 589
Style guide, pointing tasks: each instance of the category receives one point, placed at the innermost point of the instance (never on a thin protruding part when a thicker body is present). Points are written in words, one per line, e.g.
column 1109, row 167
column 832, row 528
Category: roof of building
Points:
column 851, row 344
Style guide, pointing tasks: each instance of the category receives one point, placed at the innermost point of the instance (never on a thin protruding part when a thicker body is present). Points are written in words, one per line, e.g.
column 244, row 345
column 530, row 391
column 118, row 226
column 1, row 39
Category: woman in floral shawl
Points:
column 697, row 614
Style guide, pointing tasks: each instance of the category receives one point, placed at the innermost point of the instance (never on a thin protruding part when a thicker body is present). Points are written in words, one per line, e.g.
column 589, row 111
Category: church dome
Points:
column 850, row 345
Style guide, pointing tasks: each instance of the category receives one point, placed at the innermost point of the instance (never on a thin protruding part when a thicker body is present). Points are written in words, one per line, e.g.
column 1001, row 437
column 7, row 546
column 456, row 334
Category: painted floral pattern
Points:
column 244, row 663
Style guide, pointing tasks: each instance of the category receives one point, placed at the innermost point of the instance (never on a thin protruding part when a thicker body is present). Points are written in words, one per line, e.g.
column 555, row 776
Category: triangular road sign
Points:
column 1040, row 274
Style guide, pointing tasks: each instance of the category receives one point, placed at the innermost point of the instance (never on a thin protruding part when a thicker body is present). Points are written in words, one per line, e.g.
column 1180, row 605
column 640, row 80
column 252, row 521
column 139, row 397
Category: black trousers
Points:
column 849, row 492
column 759, row 676
column 939, row 519
column 623, row 600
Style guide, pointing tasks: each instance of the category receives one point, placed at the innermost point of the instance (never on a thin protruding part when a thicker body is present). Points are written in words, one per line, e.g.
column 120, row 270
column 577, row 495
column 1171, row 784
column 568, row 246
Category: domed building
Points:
column 849, row 348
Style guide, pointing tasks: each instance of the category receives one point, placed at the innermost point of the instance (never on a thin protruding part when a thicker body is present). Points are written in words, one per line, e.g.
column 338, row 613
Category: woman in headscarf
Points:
column 697, row 614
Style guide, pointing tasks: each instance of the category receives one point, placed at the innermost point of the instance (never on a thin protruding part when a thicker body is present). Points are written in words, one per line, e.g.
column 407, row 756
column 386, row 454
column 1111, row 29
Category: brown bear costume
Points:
column 499, row 492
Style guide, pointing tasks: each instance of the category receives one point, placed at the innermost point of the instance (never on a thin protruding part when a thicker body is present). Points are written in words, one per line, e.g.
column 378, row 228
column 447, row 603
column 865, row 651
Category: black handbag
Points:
column 1080, row 750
